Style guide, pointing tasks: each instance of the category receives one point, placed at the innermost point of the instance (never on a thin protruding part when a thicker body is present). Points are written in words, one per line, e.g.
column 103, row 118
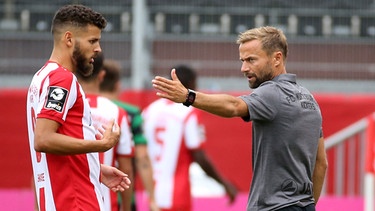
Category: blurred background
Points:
column 331, row 49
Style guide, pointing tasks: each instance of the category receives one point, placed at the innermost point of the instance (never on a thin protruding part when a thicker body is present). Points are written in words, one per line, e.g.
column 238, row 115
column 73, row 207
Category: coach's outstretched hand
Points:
column 170, row 89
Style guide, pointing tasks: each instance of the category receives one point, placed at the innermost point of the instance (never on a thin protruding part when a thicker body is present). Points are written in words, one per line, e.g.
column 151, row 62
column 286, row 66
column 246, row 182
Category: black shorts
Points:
column 310, row 207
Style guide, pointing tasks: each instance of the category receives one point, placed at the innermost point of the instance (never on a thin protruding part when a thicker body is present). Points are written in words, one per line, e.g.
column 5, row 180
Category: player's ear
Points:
column 101, row 75
column 68, row 38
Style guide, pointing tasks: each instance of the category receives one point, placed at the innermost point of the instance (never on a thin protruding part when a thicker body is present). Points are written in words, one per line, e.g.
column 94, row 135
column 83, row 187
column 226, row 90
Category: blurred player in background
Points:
column 111, row 88
column 176, row 137
column 289, row 159
column 102, row 110
column 63, row 146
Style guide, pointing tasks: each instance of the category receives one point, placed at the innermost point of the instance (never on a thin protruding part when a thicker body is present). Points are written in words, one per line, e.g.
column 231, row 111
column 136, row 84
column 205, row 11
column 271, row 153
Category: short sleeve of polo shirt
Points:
column 262, row 103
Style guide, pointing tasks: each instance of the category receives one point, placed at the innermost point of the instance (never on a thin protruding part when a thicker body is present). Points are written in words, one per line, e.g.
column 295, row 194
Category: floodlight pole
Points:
column 140, row 59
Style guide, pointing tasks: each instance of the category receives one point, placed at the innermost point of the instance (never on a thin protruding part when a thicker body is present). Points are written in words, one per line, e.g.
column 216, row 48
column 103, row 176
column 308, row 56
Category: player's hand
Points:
column 154, row 206
column 231, row 191
column 114, row 179
column 109, row 135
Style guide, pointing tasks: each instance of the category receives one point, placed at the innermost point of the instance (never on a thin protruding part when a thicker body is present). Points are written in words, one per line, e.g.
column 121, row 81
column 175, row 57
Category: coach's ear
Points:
column 277, row 58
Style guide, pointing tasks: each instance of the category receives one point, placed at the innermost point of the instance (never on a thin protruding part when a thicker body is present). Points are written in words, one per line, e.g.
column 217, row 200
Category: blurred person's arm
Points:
column 320, row 169
column 142, row 160
column 125, row 165
column 200, row 157
column 144, row 169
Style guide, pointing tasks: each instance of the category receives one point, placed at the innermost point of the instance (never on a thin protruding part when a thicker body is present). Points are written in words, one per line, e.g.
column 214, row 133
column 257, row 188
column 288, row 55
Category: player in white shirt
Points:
column 102, row 111
column 176, row 138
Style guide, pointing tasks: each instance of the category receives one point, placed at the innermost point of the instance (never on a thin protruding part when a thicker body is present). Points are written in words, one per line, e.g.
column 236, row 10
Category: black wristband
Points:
column 190, row 98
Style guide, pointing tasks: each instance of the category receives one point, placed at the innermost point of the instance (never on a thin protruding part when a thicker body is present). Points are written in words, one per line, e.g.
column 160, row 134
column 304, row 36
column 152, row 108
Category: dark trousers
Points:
column 310, row 207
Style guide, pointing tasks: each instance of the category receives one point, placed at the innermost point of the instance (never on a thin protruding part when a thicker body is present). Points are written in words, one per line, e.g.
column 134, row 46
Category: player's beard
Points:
column 265, row 74
column 83, row 67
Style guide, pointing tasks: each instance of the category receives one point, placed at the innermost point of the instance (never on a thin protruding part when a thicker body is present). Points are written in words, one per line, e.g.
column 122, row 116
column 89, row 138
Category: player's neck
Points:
column 90, row 87
column 108, row 95
column 60, row 58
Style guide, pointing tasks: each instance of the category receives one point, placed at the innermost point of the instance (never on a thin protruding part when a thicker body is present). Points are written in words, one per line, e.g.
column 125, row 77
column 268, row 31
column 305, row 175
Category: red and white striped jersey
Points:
column 102, row 111
column 63, row 182
column 172, row 131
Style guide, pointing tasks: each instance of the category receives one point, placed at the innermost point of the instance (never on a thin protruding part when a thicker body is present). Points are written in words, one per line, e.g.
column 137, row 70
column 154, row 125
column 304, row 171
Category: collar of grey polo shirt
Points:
column 286, row 77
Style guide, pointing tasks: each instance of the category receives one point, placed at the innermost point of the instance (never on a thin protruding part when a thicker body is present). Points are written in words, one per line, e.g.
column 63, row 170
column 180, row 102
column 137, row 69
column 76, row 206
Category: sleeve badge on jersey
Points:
column 56, row 98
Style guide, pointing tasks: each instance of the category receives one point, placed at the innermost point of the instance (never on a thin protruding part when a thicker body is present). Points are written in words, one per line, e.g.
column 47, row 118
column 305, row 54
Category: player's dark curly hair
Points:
column 77, row 16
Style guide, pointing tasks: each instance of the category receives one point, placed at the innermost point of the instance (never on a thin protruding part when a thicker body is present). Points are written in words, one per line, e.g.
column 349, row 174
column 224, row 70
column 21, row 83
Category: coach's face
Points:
column 256, row 64
column 86, row 49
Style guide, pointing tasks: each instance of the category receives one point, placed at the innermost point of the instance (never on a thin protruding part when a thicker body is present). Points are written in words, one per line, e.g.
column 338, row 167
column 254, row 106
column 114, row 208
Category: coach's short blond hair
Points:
column 272, row 39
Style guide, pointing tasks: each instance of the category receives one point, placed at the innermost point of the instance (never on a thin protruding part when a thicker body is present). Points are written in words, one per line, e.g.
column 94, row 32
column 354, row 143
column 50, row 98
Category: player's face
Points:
column 86, row 49
column 83, row 65
column 256, row 64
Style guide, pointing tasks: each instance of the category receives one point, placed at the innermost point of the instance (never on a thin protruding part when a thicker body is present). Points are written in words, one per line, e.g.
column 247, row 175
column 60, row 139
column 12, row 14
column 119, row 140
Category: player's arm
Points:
column 219, row 104
column 200, row 157
column 47, row 139
column 142, row 159
column 125, row 165
column 124, row 157
column 144, row 169
column 320, row 169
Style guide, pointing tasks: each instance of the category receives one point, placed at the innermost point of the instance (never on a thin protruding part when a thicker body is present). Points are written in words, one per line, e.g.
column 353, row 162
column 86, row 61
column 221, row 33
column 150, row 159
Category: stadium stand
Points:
column 329, row 39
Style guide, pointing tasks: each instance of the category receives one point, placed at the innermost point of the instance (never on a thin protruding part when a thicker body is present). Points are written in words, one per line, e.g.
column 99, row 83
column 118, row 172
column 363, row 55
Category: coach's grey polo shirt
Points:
column 286, row 129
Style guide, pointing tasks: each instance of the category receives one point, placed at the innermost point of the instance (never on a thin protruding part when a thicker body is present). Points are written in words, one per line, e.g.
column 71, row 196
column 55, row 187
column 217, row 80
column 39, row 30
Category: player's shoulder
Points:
column 106, row 101
column 58, row 75
column 56, row 69
column 156, row 104
column 130, row 108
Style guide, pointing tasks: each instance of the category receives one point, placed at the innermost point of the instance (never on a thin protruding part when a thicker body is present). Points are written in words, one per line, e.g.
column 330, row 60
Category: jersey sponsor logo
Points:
column 56, row 98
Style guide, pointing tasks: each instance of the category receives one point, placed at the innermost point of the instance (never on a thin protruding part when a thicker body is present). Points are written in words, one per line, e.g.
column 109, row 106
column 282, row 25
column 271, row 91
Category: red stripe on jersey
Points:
column 93, row 100
column 182, row 192
column 42, row 200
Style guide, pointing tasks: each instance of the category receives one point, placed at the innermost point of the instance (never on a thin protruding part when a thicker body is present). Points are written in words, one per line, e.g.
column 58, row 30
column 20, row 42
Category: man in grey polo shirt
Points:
column 289, row 159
